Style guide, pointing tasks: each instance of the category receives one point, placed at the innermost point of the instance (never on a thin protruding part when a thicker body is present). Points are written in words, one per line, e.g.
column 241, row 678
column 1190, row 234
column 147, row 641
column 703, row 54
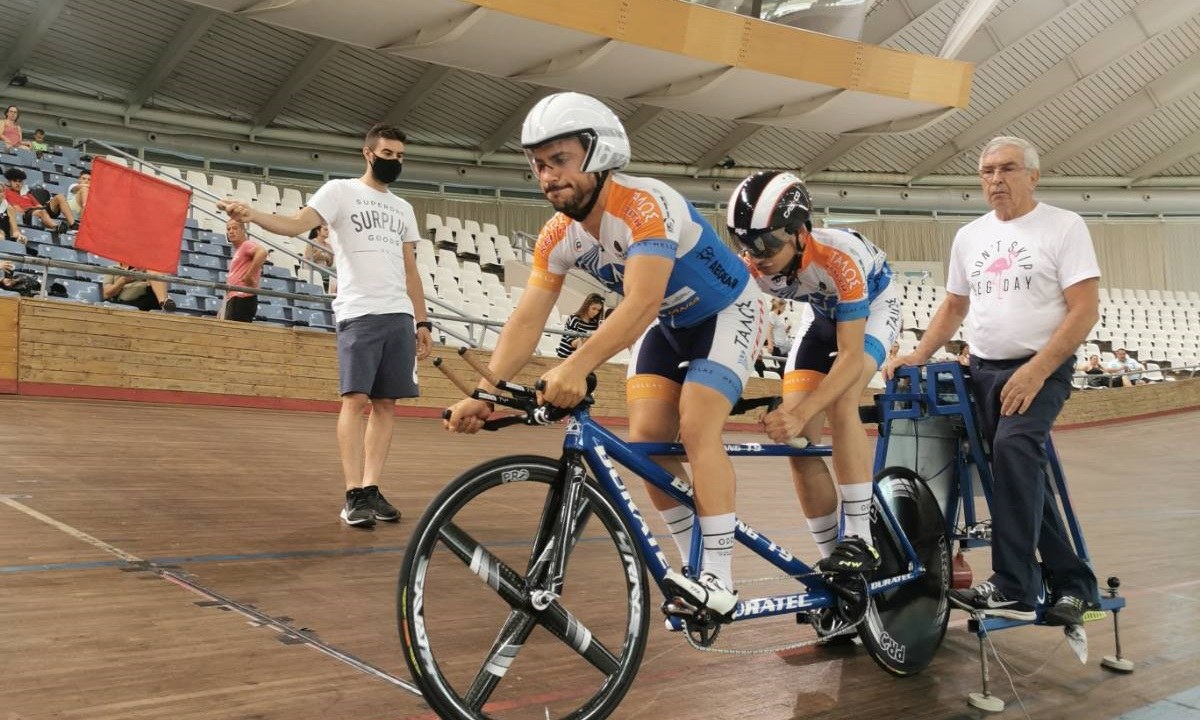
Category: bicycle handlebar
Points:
column 519, row 397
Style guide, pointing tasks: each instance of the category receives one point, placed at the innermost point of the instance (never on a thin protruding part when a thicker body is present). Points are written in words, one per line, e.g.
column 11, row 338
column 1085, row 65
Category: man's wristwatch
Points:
column 425, row 324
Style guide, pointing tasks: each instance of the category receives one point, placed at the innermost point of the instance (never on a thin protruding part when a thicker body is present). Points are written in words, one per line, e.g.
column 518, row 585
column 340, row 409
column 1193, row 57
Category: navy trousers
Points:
column 1025, row 516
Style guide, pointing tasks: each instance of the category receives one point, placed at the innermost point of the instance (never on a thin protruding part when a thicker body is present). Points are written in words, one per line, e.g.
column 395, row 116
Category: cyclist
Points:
column 856, row 317
column 644, row 240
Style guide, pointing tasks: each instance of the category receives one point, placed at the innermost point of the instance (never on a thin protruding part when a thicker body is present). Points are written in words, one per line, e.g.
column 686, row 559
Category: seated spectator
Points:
column 894, row 351
column 1122, row 363
column 322, row 257
column 11, row 131
column 8, row 223
column 585, row 320
column 245, row 269
column 1099, row 377
column 21, row 283
column 142, row 294
column 37, row 202
column 38, row 144
column 77, row 194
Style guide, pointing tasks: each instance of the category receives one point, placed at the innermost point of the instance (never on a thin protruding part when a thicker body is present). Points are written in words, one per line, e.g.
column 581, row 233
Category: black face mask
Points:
column 386, row 170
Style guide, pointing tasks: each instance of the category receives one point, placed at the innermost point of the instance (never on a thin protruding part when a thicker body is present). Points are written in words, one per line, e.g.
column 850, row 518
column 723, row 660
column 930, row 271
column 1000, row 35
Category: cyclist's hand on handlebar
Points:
column 889, row 367
column 782, row 425
column 563, row 386
column 467, row 416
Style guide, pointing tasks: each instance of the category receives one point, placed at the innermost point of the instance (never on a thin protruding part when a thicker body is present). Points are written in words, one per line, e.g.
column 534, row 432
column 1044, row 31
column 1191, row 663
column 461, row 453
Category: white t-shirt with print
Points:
column 1014, row 273
column 368, row 232
column 777, row 324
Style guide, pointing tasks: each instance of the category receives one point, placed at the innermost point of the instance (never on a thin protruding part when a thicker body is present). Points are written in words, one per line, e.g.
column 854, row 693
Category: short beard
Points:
column 574, row 207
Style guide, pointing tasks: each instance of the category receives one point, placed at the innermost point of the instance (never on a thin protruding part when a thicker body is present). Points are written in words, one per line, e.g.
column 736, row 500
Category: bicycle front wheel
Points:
column 478, row 641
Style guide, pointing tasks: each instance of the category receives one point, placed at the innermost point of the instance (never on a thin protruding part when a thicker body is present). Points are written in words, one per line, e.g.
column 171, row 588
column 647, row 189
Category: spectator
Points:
column 8, row 222
column 37, row 203
column 77, row 194
column 245, row 269
column 1094, row 368
column 322, row 256
column 1025, row 278
column 11, row 132
column 964, row 355
column 585, row 320
column 38, row 144
column 778, row 342
column 1122, row 363
column 21, row 283
column 142, row 294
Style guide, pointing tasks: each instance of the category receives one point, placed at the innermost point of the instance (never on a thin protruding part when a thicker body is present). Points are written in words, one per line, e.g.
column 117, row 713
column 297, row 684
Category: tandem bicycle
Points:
column 558, row 546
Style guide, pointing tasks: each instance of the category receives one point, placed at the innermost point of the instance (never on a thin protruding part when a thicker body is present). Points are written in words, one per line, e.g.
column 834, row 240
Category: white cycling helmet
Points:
column 568, row 114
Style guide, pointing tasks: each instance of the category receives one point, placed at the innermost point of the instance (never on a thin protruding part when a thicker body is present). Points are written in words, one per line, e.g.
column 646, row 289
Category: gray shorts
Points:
column 377, row 356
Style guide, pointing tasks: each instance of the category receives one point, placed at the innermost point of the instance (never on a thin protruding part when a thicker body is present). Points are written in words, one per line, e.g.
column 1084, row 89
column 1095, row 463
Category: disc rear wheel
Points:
column 904, row 626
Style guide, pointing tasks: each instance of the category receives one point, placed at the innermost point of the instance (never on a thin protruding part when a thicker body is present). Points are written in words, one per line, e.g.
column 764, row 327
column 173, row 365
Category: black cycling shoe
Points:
column 852, row 555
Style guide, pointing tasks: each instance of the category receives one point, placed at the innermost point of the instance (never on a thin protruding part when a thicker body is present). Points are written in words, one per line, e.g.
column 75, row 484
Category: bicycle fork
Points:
column 564, row 516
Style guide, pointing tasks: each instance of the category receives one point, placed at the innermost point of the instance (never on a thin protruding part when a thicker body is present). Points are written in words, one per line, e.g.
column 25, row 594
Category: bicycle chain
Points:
column 764, row 651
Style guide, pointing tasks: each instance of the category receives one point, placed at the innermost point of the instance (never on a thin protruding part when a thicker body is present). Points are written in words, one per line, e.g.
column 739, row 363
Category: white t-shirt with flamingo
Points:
column 1014, row 273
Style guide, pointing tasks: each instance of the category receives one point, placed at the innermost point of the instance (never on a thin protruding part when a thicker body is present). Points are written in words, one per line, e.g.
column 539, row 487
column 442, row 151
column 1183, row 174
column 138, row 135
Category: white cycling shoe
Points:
column 705, row 591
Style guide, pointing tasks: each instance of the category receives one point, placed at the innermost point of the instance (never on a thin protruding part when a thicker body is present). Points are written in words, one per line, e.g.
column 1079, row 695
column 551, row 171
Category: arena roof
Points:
column 1109, row 89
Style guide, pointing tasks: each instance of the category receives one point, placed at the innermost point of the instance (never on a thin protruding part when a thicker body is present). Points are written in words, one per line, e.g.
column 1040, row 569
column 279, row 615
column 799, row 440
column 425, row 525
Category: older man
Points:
column 1026, row 280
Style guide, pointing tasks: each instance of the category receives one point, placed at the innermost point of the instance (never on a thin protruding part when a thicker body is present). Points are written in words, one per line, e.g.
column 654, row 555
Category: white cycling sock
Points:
column 679, row 521
column 824, row 531
column 856, row 507
column 718, row 545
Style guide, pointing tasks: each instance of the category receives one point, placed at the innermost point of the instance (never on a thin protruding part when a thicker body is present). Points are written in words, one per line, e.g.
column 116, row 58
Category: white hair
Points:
column 1032, row 162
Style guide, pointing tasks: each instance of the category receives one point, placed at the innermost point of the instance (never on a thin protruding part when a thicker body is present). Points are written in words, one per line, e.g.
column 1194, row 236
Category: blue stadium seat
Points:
column 276, row 272
column 275, row 283
column 189, row 304
column 21, row 157
column 274, row 314
column 69, row 155
column 40, row 236
column 12, row 246
column 55, row 252
column 320, row 319
column 204, row 261
column 80, row 289
column 196, row 273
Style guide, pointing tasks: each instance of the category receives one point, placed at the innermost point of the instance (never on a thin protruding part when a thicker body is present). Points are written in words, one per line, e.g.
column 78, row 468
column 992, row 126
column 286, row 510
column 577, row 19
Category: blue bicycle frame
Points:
column 600, row 448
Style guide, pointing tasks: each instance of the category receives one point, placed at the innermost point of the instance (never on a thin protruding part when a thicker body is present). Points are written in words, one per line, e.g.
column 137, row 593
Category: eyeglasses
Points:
column 766, row 244
column 987, row 172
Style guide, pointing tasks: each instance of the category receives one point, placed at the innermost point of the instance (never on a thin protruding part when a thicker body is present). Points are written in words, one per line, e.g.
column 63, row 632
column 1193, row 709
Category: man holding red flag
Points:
column 379, row 296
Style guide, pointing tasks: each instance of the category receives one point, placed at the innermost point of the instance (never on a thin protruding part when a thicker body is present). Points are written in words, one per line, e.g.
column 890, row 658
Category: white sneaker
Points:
column 707, row 591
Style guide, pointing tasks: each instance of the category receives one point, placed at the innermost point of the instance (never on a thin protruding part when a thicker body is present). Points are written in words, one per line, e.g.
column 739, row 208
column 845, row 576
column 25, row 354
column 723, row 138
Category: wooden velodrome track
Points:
column 163, row 561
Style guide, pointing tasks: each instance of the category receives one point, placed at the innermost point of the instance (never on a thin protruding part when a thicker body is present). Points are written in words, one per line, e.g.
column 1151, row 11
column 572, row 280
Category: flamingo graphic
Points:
column 1000, row 266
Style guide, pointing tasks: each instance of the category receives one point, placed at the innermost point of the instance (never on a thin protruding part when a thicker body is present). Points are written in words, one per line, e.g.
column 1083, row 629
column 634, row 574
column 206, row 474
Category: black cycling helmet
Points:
column 767, row 201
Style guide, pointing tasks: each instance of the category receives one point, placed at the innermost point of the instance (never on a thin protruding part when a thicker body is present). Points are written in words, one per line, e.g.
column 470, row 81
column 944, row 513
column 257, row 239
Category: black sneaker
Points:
column 168, row 305
column 380, row 506
column 357, row 512
column 63, row 226
column 987, row 599
column 852, row 555
column 1066, row 612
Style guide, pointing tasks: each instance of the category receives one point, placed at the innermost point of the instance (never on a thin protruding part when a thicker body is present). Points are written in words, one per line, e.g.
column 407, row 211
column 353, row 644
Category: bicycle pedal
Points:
column 681, row 608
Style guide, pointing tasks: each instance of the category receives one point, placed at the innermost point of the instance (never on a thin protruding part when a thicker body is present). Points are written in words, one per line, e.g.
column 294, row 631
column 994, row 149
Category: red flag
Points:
column 133, row 218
